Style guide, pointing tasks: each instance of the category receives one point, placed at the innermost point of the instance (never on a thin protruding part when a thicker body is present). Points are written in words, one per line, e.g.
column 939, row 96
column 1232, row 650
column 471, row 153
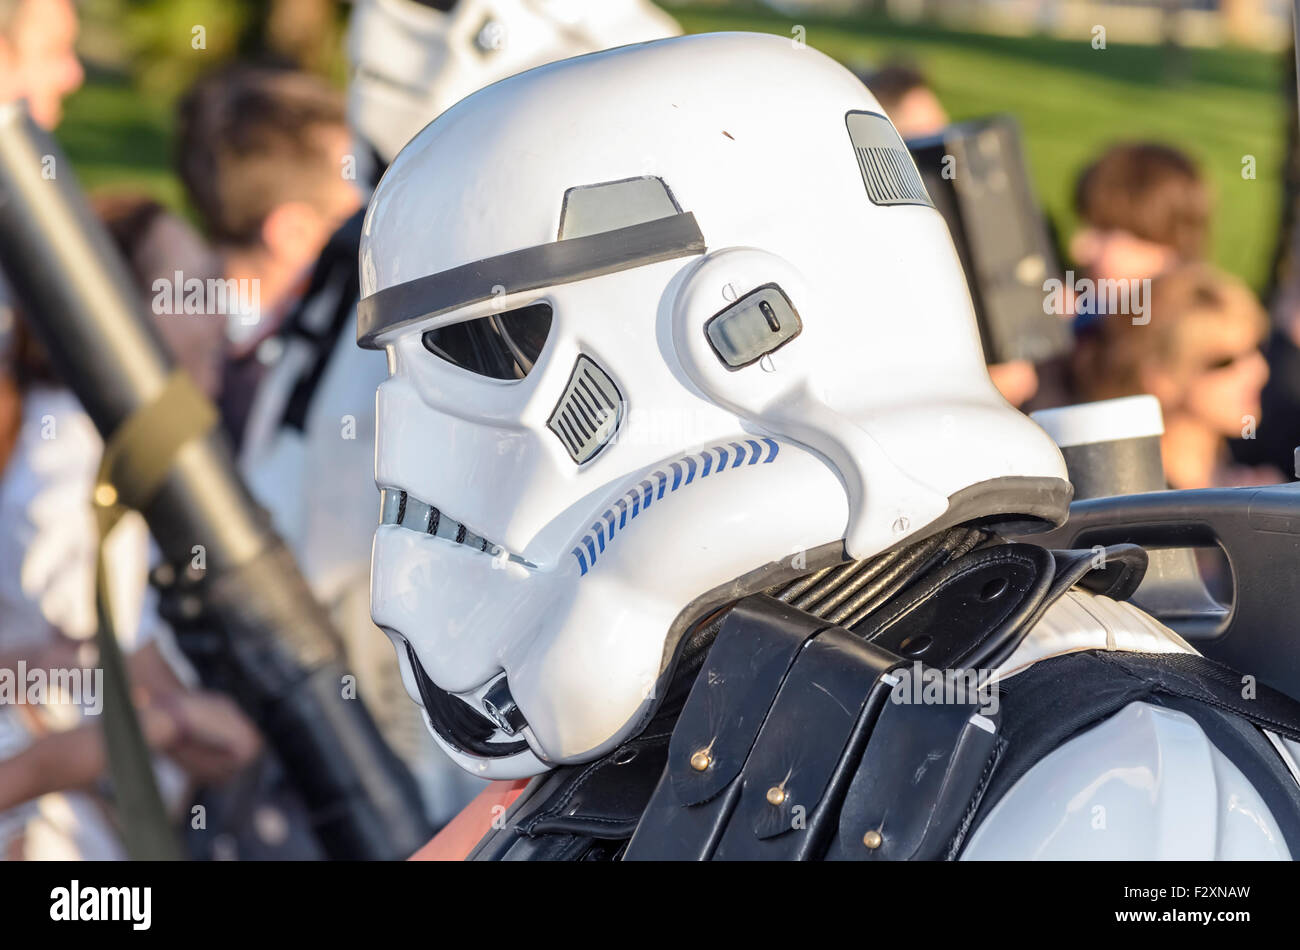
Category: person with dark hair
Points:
column 315, row 409
column 264, row 157
column 1143, row 207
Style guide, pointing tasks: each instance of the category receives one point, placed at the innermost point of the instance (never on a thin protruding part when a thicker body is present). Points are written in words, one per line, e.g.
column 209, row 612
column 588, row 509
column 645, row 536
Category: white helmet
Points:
column 411, row 59
column 658, row 319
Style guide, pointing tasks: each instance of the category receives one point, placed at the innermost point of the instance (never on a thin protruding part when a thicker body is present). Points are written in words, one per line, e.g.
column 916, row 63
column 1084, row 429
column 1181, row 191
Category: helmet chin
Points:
column 519, row 765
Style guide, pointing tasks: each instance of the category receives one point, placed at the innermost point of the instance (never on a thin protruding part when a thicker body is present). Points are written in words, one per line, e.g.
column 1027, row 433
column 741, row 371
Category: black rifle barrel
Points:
column 278, row 650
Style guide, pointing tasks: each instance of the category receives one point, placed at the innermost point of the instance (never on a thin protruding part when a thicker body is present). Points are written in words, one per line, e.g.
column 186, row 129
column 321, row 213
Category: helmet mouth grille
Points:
column 589, row 413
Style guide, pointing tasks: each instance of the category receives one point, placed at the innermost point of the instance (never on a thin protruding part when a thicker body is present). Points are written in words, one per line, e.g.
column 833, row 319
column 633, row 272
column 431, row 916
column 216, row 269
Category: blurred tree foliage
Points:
column 165, row 44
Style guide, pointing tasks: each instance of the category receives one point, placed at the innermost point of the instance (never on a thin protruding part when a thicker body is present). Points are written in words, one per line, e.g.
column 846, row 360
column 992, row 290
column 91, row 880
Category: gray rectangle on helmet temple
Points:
column 595, row 209
column 532, row 268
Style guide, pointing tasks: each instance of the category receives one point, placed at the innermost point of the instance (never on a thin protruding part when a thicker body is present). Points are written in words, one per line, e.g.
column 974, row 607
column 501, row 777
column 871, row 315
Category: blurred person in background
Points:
column 38, row 66
column 49, row 454
column 264, row 155
column 38, row 59
column 52, row 753
column 1199, row 356
column 157, row 245
column 1143, row 208
column 1278, row 435
column 314, row 413
column 912, row 105
column 252, row 812
column 908, row 99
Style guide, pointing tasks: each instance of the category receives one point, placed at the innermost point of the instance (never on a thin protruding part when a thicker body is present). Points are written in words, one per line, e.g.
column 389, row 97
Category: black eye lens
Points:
column 500, row 346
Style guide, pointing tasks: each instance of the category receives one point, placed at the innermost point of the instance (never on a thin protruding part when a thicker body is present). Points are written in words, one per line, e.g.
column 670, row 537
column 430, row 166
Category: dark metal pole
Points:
column 1295, row 23
column 272, row 642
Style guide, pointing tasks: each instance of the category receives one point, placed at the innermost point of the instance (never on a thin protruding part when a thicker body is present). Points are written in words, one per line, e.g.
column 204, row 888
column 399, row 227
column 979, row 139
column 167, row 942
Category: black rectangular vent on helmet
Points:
column 589, row 412
column 887, row 168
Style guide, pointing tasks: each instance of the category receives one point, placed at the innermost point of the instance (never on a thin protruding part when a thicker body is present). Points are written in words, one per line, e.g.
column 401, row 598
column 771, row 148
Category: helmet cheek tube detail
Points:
column 779, row 393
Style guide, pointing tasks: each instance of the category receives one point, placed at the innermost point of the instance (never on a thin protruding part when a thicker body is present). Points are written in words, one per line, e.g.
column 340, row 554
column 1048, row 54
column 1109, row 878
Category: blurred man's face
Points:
column 296, row 232
column 918, row 114
column 38, row 60
column 1119, row 255
column 344, row 197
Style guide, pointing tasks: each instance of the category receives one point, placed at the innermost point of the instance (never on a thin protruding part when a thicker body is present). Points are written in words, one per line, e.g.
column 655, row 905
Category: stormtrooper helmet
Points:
column 411, row 59
column 665, row 325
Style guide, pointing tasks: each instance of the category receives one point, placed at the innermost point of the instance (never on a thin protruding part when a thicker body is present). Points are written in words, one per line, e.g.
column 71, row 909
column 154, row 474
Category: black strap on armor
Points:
column 924, row 772
column 741, row 765
column 333, row 291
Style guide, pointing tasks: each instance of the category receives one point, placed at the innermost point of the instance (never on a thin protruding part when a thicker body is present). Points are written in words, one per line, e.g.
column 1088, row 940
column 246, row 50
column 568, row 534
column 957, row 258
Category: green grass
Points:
column 1070, row 99
column 120, row 139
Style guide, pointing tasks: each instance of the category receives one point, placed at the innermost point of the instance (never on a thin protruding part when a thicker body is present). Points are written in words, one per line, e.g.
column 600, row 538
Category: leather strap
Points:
column 135, row 463
column 972, row 612
column 140, row 453
column 766, row 758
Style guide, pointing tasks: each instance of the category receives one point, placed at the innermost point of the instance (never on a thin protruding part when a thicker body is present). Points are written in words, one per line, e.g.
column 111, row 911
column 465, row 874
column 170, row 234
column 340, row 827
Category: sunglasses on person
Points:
column 1228, row 362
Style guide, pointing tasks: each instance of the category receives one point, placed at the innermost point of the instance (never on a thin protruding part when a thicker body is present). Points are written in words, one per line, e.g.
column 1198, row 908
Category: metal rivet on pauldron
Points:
column 873, row 839
column 775, row 795
column 701, row 760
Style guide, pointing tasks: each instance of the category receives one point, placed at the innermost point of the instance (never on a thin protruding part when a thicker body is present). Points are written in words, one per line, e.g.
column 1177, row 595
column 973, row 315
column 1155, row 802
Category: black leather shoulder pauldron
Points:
column 795, row 741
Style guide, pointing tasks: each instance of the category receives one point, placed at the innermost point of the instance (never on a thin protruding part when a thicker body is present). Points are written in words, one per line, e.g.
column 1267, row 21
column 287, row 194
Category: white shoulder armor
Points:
column 1145, row 784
